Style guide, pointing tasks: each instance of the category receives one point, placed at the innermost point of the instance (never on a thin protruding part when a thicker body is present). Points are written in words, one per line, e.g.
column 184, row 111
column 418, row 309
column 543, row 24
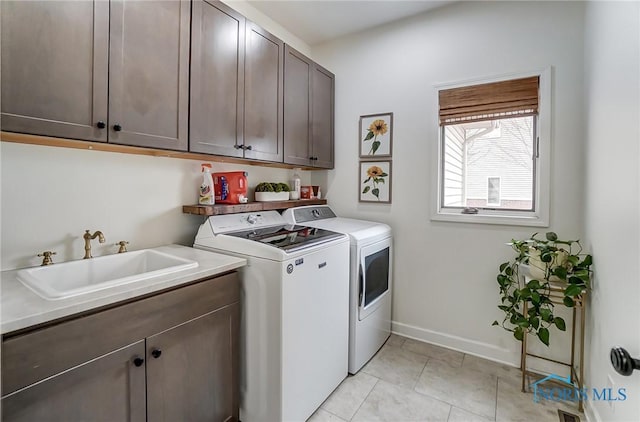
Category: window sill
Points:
column 526, row 220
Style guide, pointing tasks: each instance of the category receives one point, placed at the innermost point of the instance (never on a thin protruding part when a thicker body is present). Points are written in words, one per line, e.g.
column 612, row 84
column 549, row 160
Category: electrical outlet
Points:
column 611, row 387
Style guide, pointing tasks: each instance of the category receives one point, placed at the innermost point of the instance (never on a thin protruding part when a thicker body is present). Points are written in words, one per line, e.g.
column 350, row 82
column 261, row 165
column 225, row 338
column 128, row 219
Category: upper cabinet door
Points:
column 149, row 73
column 322, row 114
column 54, row 68
column 217, row 79
column 297, row 101
column 263, row 79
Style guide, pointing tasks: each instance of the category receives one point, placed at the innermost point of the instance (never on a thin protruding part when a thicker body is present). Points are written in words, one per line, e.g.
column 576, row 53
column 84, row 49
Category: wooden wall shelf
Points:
column 220, row 209
column 49, row 141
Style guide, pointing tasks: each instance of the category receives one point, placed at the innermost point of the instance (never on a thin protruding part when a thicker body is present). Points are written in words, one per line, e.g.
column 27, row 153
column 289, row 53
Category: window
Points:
column 493, row 147
column 493, row 191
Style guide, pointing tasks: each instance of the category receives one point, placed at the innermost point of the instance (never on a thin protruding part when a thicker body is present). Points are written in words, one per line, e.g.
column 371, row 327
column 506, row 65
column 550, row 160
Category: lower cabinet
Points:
column 190, row 371
column 183, row 366
column 109, row 388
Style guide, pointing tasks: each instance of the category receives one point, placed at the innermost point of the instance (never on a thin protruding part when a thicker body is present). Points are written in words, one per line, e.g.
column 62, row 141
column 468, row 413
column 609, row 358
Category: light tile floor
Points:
column 408, row 380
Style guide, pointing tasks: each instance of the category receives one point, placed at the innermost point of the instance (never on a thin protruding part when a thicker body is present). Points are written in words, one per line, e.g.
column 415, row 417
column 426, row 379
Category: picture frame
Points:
column 376, row 135
column 375, row 181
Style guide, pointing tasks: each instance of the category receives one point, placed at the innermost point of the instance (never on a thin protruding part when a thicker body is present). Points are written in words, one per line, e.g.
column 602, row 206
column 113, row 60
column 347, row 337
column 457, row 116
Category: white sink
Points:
column 68, row 279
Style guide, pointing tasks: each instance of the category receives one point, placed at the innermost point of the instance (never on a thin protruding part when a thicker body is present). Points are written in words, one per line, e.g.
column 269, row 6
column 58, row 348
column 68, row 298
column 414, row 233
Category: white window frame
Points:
column 539, row 217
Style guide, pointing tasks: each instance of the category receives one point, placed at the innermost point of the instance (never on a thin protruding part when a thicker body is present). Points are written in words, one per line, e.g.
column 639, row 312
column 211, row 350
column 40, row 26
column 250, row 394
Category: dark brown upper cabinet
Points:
column 322, row 116
column 308, row 112
column 163, row 74
column 217, row 79
column 236, row 85
column 97, row 71
column 149, row 73
column 263, row 90
column 54, row 68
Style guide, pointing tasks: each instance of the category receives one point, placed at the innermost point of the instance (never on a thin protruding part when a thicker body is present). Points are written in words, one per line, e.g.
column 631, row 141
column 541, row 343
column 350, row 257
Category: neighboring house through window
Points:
column 493, row 191
column 493, row 161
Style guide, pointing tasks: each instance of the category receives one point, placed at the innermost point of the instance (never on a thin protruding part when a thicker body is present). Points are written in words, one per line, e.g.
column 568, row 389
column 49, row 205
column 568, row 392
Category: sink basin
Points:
column 68, row 279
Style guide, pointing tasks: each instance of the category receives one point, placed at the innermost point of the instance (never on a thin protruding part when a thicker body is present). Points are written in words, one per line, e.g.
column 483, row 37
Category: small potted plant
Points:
column 272, row 191
column 541, row 266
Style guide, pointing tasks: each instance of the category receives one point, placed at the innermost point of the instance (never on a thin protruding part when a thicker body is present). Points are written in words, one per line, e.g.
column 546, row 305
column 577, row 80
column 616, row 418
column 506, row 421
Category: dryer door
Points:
column 374, row 276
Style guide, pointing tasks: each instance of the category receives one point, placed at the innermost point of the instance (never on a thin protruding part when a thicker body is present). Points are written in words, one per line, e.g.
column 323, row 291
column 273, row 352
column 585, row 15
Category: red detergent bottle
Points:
column 230, row 187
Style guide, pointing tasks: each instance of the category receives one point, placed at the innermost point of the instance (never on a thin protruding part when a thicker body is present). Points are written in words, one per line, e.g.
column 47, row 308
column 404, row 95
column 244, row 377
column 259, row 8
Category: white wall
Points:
column 253, row 14
column 612, row 106
column 445, row 289
column 51, row 195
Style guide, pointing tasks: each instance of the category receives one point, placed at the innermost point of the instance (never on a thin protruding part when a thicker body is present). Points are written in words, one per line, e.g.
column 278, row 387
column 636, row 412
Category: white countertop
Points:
column 20, row 307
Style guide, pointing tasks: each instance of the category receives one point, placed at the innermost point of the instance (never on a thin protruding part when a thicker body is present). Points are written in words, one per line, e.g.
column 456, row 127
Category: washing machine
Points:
column 294, row 311
column 370, row 275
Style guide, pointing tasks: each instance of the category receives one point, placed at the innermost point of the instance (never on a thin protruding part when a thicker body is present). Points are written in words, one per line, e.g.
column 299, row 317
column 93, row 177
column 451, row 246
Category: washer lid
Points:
column 245, row 221
column 323, row 217
column 288, row 238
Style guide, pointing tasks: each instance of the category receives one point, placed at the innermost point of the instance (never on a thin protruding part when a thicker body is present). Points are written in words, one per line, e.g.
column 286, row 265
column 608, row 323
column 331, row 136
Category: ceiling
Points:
column 317, row 21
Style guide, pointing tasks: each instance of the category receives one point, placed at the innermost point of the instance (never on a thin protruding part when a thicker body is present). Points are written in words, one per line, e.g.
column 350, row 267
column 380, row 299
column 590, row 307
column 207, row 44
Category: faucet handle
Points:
column 47, row 257
column 123, row 246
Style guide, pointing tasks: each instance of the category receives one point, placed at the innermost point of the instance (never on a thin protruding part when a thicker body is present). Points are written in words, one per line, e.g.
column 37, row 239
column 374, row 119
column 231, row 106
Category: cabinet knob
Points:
column 156, row 353
column 622, row 361
column 138, row 361
column 247, row 147
column 101, row 124
column 117, row 127
column 313, row 158
column 236, row 146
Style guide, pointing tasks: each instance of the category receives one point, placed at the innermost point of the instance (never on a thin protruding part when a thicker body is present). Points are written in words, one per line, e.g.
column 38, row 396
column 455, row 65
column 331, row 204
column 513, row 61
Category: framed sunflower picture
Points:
column 376, row 135
column 374, row 181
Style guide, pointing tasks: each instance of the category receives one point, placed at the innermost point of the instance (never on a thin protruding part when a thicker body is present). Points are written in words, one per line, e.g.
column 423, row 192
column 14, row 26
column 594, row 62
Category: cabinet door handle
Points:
column 117, row 127
column 138, row 361
column 156, row 353
column 236, row 146
column 101, row 124
column 248, row 147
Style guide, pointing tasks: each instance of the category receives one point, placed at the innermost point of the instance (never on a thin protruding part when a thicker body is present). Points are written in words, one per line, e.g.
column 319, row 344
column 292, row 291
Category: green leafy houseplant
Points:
column 272, row 187
column 552, row 263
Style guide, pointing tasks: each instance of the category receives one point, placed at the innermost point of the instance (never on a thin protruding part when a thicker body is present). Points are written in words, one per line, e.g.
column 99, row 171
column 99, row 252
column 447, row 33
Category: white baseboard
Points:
column 472, row 347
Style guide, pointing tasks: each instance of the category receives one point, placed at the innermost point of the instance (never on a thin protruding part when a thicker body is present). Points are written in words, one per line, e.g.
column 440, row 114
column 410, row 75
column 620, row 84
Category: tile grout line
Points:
column 450, row 410
column 366, row 397
column 451, row 406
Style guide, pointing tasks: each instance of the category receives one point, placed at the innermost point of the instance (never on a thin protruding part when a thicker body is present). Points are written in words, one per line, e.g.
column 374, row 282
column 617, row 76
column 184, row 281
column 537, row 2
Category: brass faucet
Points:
column 123, row 246
column 87, row 241
column 46, row 255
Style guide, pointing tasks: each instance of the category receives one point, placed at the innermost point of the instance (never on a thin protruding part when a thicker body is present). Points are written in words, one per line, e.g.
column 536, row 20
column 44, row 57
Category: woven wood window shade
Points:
column 512, row 98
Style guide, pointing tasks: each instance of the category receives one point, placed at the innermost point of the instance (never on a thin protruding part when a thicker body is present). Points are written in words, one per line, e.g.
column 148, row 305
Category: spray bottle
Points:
column 295, row 184
column 206, row 188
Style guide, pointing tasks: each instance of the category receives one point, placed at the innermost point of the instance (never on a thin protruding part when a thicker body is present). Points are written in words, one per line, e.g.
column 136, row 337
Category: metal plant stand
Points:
column 577, row 376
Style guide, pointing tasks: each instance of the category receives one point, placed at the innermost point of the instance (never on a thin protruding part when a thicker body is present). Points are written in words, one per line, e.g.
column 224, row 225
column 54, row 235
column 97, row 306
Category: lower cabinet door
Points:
column 192, row 369
column 108, row 388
